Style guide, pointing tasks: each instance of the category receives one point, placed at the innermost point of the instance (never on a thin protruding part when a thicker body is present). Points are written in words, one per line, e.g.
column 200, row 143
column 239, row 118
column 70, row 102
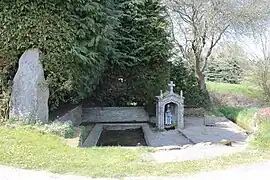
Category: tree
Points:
column 259, row 66
column 140, row 68
column 187, row 82
column 227, row 63
column 198, row 26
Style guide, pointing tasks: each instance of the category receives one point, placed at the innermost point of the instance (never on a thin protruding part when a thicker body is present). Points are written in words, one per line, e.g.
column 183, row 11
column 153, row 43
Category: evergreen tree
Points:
column 140, row 68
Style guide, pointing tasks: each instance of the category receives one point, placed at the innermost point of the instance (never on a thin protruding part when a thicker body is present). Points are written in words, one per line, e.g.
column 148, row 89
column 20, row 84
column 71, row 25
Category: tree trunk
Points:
column 199, row 73
column 201, row 80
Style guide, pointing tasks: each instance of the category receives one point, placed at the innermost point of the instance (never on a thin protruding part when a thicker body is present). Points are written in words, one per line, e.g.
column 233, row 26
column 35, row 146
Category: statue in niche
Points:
column 168, row 116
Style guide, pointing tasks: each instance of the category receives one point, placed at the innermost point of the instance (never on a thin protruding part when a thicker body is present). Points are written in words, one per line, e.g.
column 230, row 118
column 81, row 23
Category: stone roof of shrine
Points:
column 170, row 96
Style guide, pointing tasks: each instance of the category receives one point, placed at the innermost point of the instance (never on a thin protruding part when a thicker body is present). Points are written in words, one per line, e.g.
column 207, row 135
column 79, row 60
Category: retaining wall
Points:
column 115, row 114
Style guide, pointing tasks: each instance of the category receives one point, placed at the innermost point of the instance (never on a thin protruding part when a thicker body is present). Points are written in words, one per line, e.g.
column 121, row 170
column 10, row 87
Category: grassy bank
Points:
column 36, row 150
column 243, row 116
column 240, row 116
column 239, row 89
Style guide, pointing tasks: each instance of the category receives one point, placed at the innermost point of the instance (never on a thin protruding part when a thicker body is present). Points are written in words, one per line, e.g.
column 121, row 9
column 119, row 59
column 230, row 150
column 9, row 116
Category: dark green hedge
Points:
column 74, row 37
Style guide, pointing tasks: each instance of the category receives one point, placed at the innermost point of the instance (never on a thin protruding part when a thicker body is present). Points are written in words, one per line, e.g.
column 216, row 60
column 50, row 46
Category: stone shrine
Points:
column 170, row 109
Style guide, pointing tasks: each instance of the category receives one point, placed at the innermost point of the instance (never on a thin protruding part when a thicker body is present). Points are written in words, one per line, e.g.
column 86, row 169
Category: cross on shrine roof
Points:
column 171, row 87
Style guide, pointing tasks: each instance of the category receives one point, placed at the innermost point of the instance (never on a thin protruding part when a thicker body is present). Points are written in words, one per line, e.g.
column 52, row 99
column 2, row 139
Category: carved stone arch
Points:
column 167, row 98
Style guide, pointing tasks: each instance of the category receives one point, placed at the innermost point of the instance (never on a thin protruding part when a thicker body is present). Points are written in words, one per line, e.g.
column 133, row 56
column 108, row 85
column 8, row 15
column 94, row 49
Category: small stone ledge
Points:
column 74, row 115
column 93, row 137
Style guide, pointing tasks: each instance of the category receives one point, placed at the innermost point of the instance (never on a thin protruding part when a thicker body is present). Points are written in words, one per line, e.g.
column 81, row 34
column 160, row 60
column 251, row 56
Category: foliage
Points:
column 198, row 26
column 259, row 69
column 4, row 105
column 240, row 89
column 140, row 68
column 188, row 83
column 74, row 37
column 226, row 72
column 227, row 65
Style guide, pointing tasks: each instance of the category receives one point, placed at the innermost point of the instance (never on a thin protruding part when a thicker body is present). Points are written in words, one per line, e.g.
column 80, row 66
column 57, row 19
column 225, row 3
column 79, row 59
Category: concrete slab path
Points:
column 224, row 129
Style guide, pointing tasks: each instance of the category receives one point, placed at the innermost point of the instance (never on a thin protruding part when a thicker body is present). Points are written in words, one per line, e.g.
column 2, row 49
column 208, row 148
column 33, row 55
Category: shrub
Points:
column 65, row 130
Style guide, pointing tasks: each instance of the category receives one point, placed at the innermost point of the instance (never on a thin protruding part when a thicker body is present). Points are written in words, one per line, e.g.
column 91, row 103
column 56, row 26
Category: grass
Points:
column 239, row 89
column 66, row 130
column 37, row 150
column 240, row 116
column 262, row 137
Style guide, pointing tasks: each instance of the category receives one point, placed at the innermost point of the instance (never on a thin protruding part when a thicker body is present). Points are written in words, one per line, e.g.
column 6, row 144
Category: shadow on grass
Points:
column 239, row 115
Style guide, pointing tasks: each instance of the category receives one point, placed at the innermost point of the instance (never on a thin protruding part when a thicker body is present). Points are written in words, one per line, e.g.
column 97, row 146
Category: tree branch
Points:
column 173, row 35
column 212, row 45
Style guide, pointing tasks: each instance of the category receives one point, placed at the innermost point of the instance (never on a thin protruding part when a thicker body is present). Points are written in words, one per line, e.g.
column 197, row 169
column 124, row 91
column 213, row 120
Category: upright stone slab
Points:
column 30, row 92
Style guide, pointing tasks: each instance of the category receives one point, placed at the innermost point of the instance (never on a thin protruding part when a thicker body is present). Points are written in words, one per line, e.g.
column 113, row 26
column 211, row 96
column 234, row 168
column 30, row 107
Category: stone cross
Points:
column 171, row 87
column 161, row 93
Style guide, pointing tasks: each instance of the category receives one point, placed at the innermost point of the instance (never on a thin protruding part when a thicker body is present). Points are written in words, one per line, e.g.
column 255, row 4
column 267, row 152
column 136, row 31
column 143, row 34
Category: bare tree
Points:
column 197, row 27
column 259, row 67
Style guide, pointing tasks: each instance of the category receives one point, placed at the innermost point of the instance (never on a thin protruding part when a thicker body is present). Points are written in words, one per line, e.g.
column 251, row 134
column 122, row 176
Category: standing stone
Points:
column 30, row 92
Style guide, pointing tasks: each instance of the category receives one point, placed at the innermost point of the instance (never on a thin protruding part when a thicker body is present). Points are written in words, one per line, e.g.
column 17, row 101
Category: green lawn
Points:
column 239, row 89
column 35, row 150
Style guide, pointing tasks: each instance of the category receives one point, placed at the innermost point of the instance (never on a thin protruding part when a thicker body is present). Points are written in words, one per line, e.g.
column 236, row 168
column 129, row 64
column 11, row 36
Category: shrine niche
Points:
column 170, row 109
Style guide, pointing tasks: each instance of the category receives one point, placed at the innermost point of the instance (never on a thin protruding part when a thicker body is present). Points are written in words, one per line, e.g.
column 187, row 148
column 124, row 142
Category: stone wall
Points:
column 73, row 115
column 115, row 114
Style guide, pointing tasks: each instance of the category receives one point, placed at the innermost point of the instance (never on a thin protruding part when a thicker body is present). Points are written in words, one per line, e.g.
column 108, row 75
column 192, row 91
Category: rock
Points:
column 30, row 92
column 186, row 146
column 168, row 148
column 226, row 142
